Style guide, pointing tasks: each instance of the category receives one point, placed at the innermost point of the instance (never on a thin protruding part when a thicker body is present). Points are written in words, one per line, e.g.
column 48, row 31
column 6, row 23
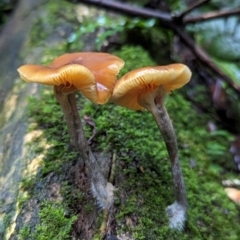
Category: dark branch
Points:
column 131, row 9
column 191, row 8
column 211, row 15
column 203, row 57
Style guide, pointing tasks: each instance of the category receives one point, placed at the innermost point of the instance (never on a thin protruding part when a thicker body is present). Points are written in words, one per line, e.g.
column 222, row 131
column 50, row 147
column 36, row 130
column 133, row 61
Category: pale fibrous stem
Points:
column 67, row 102
column 154, row 102
column 101, row 189
column 163, row 121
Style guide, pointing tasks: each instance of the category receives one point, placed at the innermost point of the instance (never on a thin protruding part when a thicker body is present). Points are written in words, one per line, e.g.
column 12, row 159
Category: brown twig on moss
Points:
column 106, row 212
column 211, row 15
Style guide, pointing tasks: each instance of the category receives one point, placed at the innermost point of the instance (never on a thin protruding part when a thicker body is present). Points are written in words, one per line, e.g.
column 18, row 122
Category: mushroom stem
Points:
column 101, row 189
column 67, row 102
column 155, row 104
column 165, row 126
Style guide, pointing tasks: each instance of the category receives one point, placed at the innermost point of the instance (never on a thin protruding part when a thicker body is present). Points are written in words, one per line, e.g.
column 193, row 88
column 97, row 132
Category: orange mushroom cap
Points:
column 144, row 81
column 94, row 74
column 104, row 66
column 71, row 77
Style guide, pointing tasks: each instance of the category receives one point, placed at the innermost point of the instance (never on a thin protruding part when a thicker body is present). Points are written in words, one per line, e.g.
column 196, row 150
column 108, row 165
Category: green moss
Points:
column 130, row 54
column 27, row 183
column 54, row 223
column 57, row 16
column 24, row 233
column 49, row 118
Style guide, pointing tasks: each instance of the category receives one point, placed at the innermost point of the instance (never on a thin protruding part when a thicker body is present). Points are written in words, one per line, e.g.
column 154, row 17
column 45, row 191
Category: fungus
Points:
column 94, row 74
column 146, row 88
column 105, row 67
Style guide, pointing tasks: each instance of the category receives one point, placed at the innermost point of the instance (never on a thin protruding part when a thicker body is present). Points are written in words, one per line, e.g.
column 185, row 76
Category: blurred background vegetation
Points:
column 6, row 7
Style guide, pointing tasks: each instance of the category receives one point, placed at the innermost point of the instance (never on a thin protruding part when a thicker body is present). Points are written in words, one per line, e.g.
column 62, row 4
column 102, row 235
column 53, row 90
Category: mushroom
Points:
column 94, row 74
column 104, row 66
column 146, row 88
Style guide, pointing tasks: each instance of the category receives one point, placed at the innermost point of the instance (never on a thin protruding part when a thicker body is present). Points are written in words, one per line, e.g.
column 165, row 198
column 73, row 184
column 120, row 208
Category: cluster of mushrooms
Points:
column 95, row 76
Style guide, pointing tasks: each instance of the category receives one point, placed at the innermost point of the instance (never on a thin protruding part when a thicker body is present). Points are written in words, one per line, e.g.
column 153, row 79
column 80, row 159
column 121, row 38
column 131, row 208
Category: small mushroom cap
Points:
column 104, row 66
column 70, row 77
column 146, row 80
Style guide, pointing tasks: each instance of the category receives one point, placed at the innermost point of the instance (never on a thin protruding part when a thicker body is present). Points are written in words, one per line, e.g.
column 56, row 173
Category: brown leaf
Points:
column 233, row 194
column 90, row 122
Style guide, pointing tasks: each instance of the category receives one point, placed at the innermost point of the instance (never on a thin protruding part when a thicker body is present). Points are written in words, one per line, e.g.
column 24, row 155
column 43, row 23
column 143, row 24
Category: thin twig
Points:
column 211, row 15
column 113, row 168
column 90, row 122
column 192, row 7
column 131, row 9
column 106, row 212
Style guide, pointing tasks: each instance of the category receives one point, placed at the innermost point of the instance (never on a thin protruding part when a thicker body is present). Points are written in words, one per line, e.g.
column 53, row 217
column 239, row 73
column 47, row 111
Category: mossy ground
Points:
column 143, row 175
column 54, row 223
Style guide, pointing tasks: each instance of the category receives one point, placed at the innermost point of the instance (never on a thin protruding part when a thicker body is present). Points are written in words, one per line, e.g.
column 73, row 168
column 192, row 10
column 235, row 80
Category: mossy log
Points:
column 44, row 192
